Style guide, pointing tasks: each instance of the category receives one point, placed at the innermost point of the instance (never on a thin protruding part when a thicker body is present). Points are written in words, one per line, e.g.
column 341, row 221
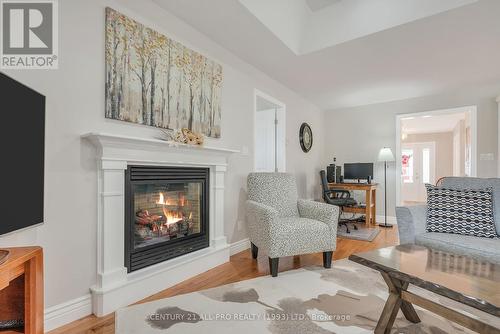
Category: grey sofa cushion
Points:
column 480, row 248
column 277, row 190
column 411, row 221
column 478, row 183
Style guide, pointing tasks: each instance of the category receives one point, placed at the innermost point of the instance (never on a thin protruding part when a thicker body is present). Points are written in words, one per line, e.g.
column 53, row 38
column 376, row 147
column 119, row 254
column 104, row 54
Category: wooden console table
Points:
column 370, row 211
column 21, row 288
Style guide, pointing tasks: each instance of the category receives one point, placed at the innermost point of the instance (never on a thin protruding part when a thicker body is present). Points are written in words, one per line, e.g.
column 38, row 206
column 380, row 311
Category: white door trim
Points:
column 282, row 116
column 498, row 131
column 473, row 124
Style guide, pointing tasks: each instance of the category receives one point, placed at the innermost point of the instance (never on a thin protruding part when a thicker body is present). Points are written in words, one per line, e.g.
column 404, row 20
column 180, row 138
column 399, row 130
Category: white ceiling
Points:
column 305, row 31
column 316, row 5
column 436, row 54
column 431, row 124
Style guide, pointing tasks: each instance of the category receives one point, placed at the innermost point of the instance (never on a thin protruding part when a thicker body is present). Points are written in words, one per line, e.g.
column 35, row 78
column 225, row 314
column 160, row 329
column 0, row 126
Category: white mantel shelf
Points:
column 106, row 139
column 115, row 288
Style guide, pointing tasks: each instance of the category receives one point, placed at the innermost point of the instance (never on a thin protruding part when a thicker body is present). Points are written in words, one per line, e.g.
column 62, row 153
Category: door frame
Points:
column 473, row 124
column 282, row 118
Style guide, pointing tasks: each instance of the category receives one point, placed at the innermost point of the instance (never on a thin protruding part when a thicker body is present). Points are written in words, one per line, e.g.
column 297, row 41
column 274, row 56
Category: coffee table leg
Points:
column 406, row 307
column 389, row 313
column 409, row 312
column 393, row 304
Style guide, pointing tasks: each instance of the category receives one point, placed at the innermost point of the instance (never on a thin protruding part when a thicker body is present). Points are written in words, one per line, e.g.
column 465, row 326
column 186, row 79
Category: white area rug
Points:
column 348, row 298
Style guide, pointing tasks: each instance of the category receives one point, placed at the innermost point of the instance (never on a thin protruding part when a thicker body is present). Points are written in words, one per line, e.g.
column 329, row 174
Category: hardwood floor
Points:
column 241, row 267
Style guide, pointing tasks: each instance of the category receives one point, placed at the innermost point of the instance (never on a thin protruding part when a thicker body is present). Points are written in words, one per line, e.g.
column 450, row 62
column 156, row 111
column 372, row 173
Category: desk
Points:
column 370, row 211
column 21, row 288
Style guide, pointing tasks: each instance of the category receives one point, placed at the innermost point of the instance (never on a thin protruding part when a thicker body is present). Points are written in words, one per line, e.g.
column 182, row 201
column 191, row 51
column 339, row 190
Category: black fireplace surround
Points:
column 166, row 213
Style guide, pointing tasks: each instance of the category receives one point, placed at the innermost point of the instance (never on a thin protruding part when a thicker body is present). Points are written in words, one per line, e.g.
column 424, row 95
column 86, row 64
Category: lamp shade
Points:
column 385, row 154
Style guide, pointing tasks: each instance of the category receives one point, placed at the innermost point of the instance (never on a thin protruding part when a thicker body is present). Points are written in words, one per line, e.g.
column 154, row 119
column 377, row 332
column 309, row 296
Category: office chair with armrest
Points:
column 339, row 197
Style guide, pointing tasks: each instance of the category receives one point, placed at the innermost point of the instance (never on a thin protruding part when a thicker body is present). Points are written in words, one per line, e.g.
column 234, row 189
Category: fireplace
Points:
column 166, row 213
column 126, row 161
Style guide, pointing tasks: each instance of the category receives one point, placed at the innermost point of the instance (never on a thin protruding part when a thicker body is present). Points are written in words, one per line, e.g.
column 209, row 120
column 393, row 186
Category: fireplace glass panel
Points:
column 166, row 212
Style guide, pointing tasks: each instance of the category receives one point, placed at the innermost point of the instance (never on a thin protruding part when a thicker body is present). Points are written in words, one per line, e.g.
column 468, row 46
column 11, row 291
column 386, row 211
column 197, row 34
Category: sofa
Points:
column 412, row 224
column 280, row 224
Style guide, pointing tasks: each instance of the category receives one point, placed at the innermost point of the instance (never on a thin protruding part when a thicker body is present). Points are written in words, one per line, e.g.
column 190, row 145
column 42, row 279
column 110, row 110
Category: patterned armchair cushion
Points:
column 465, row 212
column 277, row 190
column 323, row 212
column 295, row 235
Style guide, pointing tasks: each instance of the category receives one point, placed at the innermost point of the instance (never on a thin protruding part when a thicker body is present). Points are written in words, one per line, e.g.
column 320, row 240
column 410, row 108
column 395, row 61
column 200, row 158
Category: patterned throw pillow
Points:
column 466, row 212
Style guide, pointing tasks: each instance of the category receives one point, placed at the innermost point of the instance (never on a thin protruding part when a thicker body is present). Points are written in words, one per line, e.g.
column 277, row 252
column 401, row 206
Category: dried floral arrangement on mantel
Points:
column 182, row 136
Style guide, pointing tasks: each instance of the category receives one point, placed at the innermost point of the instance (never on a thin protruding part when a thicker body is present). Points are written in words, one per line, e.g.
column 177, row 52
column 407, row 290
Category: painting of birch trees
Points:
column 156, row 81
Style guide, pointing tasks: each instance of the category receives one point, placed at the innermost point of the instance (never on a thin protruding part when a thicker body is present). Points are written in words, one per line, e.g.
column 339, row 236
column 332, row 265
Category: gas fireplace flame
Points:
column 172, row 217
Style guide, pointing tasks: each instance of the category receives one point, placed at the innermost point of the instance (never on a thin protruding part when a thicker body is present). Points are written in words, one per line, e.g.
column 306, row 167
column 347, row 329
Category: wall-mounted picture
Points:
column 156, row 81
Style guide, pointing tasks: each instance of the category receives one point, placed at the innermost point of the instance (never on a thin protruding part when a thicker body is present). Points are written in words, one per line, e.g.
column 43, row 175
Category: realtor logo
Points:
column 29, row 34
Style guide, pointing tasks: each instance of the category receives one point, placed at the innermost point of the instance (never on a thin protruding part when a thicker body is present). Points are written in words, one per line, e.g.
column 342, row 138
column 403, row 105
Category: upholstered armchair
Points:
column 280, row 224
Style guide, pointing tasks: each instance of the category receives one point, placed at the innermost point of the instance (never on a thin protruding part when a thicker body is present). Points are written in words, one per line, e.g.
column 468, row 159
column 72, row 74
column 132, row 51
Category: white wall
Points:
column 358, row 133
column 75, row 105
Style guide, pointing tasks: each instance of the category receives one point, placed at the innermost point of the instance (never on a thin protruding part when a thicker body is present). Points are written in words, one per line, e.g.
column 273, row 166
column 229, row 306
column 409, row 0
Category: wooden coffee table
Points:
column 460, row 278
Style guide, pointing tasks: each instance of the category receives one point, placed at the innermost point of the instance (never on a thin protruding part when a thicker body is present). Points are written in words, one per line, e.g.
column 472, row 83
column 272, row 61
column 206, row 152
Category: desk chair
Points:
column 338, row 197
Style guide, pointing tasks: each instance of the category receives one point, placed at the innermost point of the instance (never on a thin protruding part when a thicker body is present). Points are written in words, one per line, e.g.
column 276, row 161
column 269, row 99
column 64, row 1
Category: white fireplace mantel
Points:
column 115, row 287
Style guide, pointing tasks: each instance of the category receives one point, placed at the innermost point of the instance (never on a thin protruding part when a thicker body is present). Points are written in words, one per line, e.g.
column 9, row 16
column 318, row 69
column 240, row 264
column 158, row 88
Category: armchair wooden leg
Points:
column 327, row 259
column 255, row 251
column 273, row 266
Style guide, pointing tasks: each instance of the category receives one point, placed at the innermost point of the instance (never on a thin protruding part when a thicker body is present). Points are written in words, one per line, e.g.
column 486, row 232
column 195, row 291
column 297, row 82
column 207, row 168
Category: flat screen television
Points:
column 358, row 171
column 22, row 143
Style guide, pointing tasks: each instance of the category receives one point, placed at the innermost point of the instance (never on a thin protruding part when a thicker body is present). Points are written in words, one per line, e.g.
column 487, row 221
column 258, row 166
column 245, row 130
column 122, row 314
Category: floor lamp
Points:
column 386, row 156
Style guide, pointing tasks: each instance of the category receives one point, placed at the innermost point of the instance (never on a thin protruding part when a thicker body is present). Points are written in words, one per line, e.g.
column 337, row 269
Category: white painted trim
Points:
column 390, row 220
column 473, row 124
column 258, row 93
column 239, row 246
column 64, row 313
column 498, row 135
column 104, row 140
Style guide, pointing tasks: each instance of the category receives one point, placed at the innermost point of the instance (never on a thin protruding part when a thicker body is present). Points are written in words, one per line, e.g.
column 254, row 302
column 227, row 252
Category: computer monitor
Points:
column 358, row 171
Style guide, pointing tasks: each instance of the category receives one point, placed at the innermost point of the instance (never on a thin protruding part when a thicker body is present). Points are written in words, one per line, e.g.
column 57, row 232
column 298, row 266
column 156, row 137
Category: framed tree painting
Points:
column 156, row 81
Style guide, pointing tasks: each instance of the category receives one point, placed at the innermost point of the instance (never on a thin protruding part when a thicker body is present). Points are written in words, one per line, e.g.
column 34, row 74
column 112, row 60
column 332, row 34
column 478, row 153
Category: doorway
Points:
column 431, row 145
column 269, row 134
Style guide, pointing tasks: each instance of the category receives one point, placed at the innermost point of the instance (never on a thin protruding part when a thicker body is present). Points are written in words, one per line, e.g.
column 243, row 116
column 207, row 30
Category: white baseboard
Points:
column 239, row 246
column 390, row 219
column 64, row 313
